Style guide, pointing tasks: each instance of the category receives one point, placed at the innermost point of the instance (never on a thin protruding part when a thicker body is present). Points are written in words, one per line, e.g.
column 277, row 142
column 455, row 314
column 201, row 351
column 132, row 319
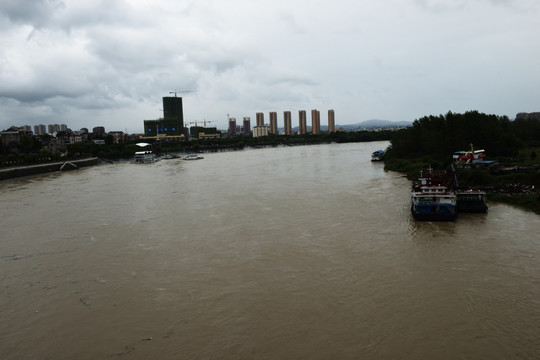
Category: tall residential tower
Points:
column 247, row 125
column 287, row 122
column 172, row 110
column 273, row 123
column 260, row 119
column 331, row 121
column 232, row 125
column 315, row 122
column 302, row 122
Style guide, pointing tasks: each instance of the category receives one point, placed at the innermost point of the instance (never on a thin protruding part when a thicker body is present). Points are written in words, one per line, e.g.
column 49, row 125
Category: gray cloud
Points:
column 110, row 62
column 34, row 12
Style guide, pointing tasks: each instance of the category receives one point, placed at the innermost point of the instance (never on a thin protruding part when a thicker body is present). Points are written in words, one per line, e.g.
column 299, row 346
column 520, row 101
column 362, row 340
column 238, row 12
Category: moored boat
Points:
column 471, row 201
column 193, row 157
column 144, row 156
column 377, row 155
column 168, row 157
column 431, row 199
column 469, row 159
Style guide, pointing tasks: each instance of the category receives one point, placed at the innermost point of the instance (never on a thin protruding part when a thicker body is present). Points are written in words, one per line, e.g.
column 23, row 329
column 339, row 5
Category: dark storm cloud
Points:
column 34, row 12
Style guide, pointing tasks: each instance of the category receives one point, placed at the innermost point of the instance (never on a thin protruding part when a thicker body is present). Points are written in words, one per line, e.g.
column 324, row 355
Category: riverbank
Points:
column 19, row 171
column 517, row 189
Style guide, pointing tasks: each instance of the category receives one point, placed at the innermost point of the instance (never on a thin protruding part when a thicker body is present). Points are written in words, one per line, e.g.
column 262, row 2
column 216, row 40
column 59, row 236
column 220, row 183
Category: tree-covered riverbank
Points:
column 32, row 155
column 513, row 145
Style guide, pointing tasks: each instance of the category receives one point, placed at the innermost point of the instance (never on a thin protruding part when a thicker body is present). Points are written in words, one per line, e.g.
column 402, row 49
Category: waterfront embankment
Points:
column 19, row 171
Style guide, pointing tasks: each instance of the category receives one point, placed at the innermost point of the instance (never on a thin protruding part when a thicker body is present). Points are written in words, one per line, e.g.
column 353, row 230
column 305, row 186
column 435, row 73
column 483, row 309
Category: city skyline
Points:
column 171, row 112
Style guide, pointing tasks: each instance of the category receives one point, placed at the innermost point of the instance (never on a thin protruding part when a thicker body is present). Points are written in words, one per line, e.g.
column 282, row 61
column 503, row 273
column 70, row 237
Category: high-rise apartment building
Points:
column 273, row 123
column 232, row 125
column 172, row 123
column 302, row 122
column 331, row 121
column 528, row 116
column 287, row 122
column 162, row 127
column 40, row 129
column 315, row 122
column 173, row 110
column 260, row 119
column 247, row 125
column 98, row 130
column 52, row 128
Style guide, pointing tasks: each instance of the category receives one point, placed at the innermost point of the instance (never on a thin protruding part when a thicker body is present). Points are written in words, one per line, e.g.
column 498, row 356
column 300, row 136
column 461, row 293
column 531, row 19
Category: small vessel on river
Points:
column 377, row 155
column 471, row 201
column 471, row 159
column 168, row 156
column 146, row 155
column 431, row 198
column 193, row 157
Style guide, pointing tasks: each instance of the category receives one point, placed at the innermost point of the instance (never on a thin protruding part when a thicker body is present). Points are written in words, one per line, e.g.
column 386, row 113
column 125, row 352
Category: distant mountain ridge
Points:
column 377, row 123
column 370, row 124
column 367, row 124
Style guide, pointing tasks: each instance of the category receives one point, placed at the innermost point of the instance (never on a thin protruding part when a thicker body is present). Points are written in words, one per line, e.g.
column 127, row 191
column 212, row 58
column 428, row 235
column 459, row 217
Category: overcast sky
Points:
column 110, row 62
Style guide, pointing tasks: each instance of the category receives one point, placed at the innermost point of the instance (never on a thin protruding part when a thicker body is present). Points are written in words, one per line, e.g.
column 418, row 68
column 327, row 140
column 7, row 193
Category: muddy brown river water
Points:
column 305, row 252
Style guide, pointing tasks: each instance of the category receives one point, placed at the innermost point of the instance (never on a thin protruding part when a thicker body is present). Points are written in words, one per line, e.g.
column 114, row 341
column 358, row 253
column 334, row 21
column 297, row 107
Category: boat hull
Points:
column 434, row 212
column 145, row 158
column 473, row 201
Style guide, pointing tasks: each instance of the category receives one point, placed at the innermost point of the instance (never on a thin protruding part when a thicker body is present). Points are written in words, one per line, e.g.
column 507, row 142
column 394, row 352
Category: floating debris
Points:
column 16, row 256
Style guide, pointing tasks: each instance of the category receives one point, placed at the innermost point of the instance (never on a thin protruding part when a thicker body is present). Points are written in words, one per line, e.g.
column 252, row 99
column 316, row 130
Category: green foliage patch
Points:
column 525, row 201
column 515, row 145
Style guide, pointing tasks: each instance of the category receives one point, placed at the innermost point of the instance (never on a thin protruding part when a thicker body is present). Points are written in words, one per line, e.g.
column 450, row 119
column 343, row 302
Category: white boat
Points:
column 169, row 156
column 193, row 157
column 144, row 156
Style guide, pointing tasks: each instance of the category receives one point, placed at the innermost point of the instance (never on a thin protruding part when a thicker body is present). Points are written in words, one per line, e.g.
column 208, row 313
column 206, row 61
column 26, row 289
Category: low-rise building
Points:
column 259, row 131
column 118, row 136
column 74, row 138
column 10, row 137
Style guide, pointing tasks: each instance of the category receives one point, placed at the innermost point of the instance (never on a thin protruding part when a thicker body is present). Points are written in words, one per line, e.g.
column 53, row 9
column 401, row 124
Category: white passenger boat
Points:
column 144, row 156
column 193, row 157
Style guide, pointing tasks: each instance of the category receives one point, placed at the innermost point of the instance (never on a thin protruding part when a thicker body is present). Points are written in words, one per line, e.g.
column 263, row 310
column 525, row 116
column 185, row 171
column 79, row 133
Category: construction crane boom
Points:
column 181, row 92
column 207, row 121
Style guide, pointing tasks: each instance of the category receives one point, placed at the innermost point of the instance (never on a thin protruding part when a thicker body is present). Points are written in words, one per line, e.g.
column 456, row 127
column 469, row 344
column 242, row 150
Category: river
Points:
column 306, row 252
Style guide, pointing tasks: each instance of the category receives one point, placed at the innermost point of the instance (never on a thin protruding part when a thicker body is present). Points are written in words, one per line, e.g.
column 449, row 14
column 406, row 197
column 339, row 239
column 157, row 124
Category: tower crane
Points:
column 181, row 92
column 207, row 121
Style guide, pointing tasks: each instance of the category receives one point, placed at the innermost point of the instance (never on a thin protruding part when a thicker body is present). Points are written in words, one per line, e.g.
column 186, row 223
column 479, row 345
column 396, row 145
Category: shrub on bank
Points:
column 526, row 201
